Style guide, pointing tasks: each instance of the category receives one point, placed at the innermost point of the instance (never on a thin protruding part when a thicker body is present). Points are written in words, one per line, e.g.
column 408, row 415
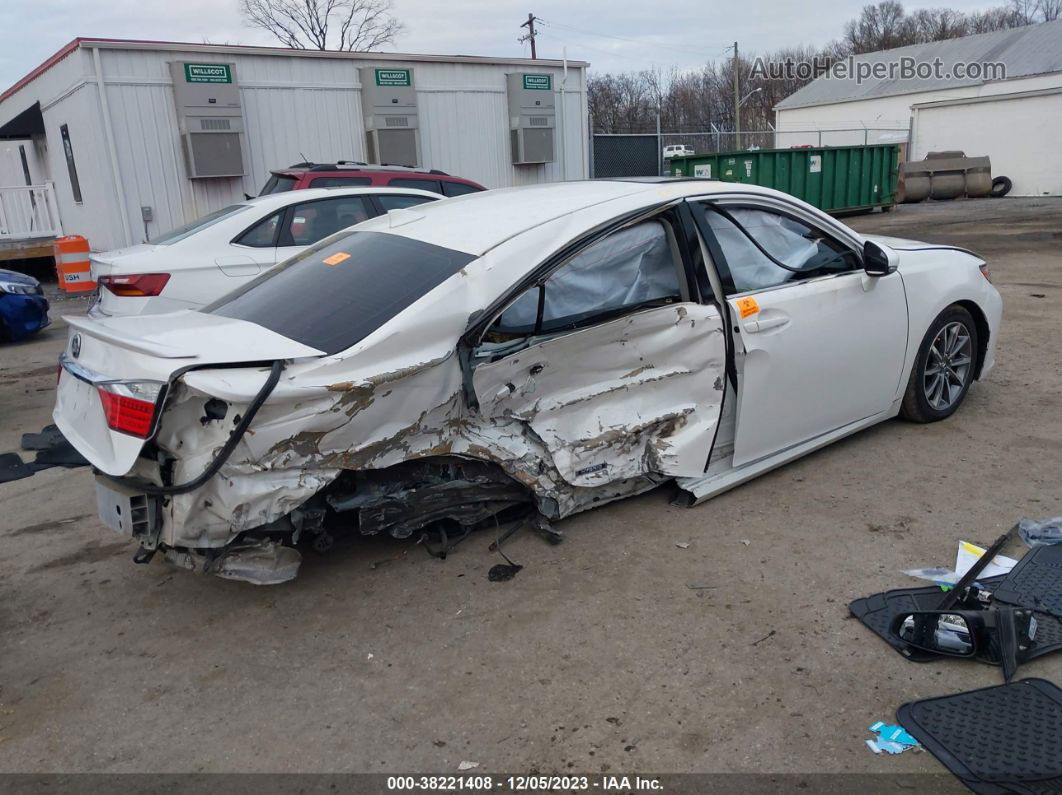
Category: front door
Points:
column 609, row 361
column 823, row 343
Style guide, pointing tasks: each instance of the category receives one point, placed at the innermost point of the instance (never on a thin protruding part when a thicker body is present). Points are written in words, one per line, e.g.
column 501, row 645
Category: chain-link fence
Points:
column 626, row 156
column 643, row 155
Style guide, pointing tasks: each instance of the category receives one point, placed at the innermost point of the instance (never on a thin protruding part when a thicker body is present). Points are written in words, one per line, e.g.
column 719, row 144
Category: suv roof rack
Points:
column 357, row 165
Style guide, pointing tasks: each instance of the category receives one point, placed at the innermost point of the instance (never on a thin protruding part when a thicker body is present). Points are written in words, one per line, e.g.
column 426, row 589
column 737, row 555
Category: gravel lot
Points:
column 598, row 656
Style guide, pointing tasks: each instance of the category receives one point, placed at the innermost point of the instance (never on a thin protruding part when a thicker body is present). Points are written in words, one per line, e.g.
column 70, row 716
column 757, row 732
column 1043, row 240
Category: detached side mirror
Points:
column 878, row 260
column 954, row 634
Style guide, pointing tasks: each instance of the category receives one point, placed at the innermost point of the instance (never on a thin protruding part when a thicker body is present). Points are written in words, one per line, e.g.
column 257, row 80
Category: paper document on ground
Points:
column 968, row 554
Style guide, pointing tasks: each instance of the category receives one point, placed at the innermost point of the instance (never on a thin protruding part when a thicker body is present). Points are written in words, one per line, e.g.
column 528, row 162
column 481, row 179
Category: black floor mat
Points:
column 1036, row 582
column 1001, row 739
column 877, row 612
column 53, row 450
column 12, row 467
column 50, row 436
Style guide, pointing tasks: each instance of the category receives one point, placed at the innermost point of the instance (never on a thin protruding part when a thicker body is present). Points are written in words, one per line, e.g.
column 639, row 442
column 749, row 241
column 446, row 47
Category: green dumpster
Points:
column 837, row 179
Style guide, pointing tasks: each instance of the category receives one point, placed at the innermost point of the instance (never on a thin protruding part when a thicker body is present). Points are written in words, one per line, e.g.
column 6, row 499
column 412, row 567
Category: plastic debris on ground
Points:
column 1040, row 534
column 891, row 739
column 965, row 557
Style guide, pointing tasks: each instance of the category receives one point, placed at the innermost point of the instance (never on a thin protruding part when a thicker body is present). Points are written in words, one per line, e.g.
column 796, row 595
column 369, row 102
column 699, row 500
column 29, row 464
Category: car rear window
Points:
column 278, row 183
column 335, row 294
column 199, row 224
column 459, row 188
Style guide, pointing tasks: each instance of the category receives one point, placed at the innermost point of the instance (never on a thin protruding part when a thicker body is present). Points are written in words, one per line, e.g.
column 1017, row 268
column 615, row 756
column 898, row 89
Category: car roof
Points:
column 271, row 200
column 503, row 213
column 345, row 166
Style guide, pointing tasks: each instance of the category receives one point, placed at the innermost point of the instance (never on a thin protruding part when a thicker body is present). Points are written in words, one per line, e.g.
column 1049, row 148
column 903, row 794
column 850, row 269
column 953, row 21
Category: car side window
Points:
column 805, row 249
column 409, row 182
column 263, row 234
column 400, row 201
column 312, row 221
column 340, row 182
column 632, row 268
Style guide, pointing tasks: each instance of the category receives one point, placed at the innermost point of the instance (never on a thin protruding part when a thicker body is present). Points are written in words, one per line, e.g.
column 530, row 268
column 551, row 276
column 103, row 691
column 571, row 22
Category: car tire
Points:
column 944, row 369
column 1000, row 187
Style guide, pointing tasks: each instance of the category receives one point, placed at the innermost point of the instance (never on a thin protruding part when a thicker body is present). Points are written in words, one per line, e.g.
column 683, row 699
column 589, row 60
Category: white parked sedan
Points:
column 547, row 348
column 199, row 262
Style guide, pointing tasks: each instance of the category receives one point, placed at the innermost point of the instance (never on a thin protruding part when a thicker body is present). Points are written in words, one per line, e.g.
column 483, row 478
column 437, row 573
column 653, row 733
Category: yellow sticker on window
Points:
column 340, row 256
column 747, row 306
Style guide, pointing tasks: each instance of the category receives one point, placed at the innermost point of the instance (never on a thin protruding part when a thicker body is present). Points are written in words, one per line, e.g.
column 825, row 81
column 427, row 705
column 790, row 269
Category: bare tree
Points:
column 325, row 24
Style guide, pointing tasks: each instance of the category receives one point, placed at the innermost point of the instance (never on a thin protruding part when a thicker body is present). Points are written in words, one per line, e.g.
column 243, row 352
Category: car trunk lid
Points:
column 115, row 372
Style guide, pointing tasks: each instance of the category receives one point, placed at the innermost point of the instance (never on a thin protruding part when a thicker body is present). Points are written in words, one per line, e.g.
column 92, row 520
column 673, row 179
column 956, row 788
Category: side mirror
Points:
column 954, row 634
column 878, row 260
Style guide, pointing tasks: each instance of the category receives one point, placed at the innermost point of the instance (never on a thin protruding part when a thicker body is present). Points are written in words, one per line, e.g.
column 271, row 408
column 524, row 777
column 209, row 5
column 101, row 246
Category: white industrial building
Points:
column 1015, row 121
column 125, row 139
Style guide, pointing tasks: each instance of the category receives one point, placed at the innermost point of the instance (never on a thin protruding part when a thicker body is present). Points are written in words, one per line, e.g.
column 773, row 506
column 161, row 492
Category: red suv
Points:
column 348, row 173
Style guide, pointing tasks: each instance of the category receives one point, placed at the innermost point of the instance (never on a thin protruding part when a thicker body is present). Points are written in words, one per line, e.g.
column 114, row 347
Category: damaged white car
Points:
column 547, row 349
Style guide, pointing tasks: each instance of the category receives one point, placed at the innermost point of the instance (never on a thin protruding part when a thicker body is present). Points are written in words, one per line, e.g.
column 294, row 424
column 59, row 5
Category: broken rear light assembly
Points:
column 135, row 285
column 130, row 405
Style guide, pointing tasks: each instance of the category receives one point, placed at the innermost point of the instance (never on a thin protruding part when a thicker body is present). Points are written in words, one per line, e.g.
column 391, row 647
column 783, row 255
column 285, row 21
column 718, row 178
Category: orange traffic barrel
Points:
column 72, row 264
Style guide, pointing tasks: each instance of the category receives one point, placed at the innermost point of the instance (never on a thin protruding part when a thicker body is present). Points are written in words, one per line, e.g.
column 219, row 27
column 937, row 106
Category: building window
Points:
column 68, row 150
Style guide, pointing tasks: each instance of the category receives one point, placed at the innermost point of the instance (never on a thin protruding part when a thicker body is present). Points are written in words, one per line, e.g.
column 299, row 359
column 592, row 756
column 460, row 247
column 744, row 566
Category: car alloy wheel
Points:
column 948, row 366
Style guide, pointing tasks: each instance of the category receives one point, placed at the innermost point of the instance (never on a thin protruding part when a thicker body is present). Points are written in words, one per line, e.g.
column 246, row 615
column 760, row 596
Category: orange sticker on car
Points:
column 747, row 306
column 340, row 256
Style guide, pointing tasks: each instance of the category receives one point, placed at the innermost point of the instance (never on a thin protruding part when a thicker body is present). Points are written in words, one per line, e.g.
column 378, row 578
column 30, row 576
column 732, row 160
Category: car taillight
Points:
column 135, row 285
column 984, row 271
column 130, row 406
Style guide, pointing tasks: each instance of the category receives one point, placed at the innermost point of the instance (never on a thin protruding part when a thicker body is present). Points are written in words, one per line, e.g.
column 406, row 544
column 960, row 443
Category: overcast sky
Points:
column 613, row 36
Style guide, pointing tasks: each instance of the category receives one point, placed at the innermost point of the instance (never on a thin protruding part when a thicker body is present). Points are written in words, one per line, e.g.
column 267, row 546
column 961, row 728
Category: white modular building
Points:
column 121, row 140
column 1012, row 114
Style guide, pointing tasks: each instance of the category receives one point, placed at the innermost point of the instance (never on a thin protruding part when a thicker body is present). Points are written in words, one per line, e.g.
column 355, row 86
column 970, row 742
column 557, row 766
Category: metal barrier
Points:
column 641, row 154
column 29, row 211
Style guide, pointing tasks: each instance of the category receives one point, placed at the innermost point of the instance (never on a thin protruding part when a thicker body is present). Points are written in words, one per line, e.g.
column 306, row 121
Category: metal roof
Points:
column 1025, row 51
column 246, row 49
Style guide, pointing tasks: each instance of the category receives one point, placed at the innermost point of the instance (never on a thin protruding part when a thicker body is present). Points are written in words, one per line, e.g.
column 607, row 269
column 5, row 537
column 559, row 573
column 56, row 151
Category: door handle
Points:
column 754, row 326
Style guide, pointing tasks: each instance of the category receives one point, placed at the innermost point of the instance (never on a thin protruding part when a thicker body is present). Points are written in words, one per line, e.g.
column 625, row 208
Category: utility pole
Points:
column 737, row 100
column 531, row 33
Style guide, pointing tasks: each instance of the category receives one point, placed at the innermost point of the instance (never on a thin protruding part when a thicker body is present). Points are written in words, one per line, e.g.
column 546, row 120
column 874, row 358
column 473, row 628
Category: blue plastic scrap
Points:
column 891, row 739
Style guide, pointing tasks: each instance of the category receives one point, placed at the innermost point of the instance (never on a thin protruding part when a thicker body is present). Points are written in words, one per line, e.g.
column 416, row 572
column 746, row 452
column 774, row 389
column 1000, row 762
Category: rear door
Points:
column 610, row 359
column 821, row 344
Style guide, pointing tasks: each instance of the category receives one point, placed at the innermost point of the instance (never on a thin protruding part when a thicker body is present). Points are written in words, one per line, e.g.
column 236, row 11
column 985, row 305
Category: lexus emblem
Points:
column 75, row 346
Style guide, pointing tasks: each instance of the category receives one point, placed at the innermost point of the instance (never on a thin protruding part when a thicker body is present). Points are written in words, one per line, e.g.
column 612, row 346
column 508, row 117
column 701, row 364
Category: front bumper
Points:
column 23, row 315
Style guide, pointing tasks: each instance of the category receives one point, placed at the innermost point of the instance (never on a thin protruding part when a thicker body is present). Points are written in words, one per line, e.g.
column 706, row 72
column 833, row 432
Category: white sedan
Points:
column 199, row 262
column 547, row 349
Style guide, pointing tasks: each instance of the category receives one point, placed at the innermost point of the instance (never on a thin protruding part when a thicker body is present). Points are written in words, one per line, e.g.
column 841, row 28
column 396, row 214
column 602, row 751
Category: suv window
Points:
column 311, row 221
column 627, row 270
column 800, row 246
column 263, row 234
column 458, row 189
column 353, row 285
column 422, row 184
column 340, row 182
column 399, row 201
column 278, row 183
